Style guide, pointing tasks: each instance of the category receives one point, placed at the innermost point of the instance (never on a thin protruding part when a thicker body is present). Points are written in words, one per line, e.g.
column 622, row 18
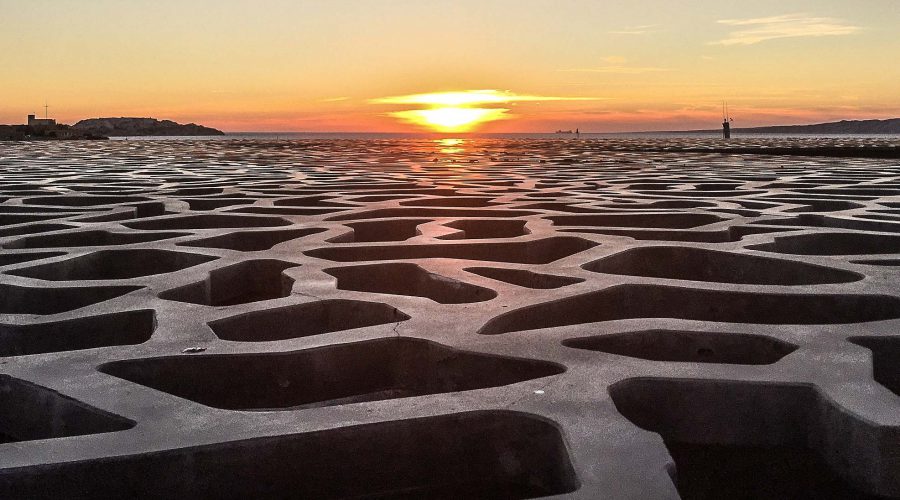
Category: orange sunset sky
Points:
column 515, row 66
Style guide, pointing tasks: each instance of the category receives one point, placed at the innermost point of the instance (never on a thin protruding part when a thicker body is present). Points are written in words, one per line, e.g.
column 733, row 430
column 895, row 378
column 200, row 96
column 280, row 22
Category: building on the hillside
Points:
column 40, row 122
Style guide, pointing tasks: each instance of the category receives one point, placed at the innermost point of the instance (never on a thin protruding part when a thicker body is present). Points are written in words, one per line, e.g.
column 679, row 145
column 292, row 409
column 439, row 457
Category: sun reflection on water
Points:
column 451, row 146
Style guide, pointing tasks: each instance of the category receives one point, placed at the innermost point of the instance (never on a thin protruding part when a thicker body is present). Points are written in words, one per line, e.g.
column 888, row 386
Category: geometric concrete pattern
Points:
column 412, row 318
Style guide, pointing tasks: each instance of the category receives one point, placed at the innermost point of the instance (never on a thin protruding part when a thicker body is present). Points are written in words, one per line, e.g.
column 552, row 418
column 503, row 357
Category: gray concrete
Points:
column 493, row 319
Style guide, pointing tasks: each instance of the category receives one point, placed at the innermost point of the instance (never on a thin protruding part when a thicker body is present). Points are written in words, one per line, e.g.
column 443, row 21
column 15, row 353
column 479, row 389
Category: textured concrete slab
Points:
column 413, row 319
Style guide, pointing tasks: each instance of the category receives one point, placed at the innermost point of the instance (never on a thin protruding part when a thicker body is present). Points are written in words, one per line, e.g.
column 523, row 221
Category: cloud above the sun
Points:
column 760, row 29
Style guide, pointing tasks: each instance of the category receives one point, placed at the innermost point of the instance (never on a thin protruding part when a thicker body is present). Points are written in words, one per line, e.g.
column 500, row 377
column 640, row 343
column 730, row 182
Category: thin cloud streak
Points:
column 761, row 29
column 619, row 70
column 635, row 30
column 471, row 97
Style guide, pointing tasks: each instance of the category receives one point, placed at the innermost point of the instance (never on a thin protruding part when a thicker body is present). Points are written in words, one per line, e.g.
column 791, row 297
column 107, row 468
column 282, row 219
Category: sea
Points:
column 540, row 136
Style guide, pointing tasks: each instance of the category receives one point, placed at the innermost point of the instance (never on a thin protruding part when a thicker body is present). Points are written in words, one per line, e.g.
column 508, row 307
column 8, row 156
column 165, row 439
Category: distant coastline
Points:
column 150, row 128
column 53, row 132
column 102, row 128
column 889, row 126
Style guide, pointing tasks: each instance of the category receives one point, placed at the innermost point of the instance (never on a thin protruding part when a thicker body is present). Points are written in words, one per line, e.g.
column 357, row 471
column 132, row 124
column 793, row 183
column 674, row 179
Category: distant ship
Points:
column 564, row 132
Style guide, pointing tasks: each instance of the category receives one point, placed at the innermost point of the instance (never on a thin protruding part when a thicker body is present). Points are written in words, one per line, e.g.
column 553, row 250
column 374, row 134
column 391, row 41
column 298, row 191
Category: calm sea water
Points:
column 585, row 136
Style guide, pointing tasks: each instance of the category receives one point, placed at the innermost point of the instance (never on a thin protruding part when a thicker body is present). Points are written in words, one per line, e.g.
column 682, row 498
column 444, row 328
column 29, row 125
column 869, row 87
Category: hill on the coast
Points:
column 890, row 126
column 843, row 127
column 120, row 127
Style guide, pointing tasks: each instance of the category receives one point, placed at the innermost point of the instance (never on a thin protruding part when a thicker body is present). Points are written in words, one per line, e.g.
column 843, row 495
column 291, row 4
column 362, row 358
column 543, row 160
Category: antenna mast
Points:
column 45, row 109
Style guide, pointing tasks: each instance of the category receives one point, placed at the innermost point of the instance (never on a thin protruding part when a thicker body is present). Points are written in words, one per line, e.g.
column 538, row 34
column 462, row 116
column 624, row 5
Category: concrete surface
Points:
column 411, row 318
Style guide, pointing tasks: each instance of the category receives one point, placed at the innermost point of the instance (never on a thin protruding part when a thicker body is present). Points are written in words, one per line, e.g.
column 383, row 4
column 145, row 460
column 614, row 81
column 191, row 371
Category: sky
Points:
column 537, row 66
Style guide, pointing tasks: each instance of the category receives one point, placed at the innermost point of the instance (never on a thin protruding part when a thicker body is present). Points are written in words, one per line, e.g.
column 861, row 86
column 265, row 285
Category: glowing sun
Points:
column 451, row 119
column 459, row 111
